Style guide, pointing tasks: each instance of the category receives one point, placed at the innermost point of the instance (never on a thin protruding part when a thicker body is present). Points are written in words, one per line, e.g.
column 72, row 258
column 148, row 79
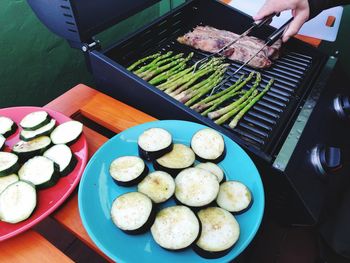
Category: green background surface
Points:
column 37, row 66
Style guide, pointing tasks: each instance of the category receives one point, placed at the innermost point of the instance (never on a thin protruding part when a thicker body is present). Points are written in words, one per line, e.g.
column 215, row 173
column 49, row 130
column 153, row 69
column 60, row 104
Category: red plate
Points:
column 51, row 198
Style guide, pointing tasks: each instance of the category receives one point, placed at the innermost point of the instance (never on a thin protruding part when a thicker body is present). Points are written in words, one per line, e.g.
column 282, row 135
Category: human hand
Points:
column 300, row 11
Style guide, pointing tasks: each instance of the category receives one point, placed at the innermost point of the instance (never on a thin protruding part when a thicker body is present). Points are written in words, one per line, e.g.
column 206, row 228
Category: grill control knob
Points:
column 341, row 106
column 326, row 160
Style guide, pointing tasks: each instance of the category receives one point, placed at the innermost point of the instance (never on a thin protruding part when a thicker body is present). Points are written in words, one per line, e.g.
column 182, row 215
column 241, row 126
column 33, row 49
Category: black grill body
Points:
column 280, row 133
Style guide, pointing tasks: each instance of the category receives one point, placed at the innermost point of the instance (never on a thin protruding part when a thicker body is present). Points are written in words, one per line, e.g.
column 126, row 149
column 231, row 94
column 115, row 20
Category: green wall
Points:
column 36, row 66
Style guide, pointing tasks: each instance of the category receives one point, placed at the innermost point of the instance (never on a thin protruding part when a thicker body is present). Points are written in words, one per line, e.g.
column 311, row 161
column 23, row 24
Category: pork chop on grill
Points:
column 211, row 40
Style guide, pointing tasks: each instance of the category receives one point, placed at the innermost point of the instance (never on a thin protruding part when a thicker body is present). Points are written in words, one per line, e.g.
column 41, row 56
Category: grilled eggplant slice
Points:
column 220, row 232
column 214, row 169
column 5, row 181
column 40, row 171
column 208, row 145
column 176, row 228
column 35, row 120
column 8, row 163
column 17, row 202
column 196, row 187
column 27, row 150
column 159, row 186
column 180, row 158
column 234, row 197
column 154, row 143
column 27, row 135
column 133, row 213
column 128, row 170
column 7, row 126
column 67, row 133
column 62, row 155
column 2, row 142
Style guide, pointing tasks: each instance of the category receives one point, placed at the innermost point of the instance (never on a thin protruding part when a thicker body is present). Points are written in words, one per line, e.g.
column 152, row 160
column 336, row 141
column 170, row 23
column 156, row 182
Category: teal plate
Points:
column 97, row 191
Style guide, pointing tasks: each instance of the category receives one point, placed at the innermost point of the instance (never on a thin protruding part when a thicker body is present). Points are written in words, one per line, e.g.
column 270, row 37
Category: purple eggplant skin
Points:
column 209, row 254
column 151, row 156
column 217, row 160
column 134, row 181
column 172, row 171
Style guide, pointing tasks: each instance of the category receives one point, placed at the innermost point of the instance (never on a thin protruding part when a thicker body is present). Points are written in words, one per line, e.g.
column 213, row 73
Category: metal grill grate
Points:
column 263, row 125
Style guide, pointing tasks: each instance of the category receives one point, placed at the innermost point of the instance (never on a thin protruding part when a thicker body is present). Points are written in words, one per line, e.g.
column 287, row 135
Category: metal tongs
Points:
column 277, row 34
column 256, row 24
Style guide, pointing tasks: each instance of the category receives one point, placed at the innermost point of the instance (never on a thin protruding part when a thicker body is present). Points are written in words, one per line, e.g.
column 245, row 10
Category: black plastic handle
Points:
column 265, row 20
column 278, row 33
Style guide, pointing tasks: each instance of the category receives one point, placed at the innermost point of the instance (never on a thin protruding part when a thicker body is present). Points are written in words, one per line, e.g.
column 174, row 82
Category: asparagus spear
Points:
column 189, row 79
column 153, row 63
column 165, row 63
column 203, row 91
column 139, row 62
column 212, row 106
column 149, row 75
column 217, row 95
column 165, row 75
column 188, row 94
column 216, row 114
column 232, row 112
column 174, row 78
column 173, row 84
column 186, row 88
column 239, row 116
column 209, row 84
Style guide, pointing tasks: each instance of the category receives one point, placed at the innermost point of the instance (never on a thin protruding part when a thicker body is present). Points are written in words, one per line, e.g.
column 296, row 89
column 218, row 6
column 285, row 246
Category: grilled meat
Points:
column 211, row 40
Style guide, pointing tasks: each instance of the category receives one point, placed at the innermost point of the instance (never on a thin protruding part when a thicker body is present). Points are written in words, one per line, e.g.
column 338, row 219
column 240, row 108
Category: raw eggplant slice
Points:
column 7, row 180
column 159, row 186
column 35, row 120
column 27, row 150
column 154, row 143
column 27, row 135
column 214, row 169
column 196, row 187
column 8, row 163
column 40, row 171
column 2, row 142
column 234, row 197
column 62, row 155
column 128, row 170
column 180, row 158
column 133, row 213
column 17, row 202
column 220, row 232
column 208, row 145
column 7, row 126
column 176, row 228
column 67, row 133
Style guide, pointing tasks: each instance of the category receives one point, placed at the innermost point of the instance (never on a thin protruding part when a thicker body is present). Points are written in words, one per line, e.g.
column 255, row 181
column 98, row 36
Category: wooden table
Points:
column 105, row 111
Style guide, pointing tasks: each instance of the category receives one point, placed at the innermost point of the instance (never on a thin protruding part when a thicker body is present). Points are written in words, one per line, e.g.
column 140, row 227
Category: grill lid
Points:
column 79, row 20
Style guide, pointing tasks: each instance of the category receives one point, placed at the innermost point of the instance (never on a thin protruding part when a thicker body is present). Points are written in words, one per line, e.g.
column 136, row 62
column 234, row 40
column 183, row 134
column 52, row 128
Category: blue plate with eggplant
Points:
column 171, row 191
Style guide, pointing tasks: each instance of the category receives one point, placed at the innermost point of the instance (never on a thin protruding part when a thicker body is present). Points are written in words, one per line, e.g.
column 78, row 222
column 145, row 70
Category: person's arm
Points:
column 302, row 10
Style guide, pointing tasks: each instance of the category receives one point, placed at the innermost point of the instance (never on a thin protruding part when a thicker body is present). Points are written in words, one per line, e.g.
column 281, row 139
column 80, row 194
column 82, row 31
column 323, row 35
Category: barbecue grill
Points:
column 296, row 133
